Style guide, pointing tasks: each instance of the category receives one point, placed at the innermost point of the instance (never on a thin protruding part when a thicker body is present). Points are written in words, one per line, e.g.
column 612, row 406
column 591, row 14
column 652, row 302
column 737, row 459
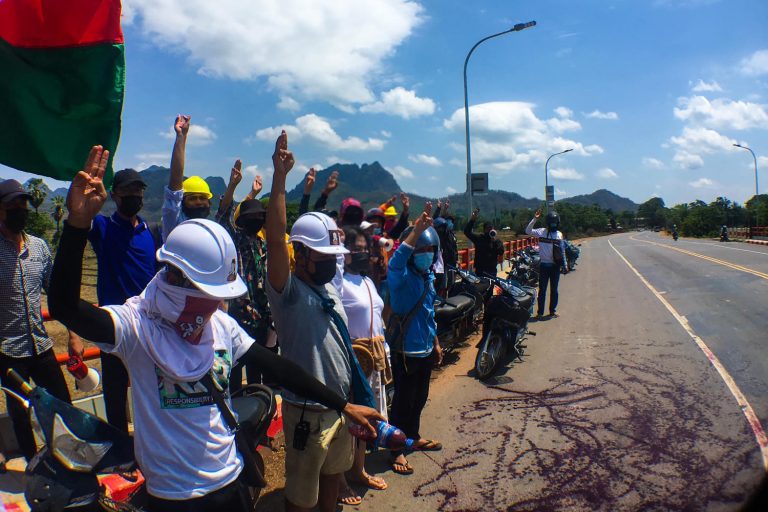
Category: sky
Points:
column 650, row 94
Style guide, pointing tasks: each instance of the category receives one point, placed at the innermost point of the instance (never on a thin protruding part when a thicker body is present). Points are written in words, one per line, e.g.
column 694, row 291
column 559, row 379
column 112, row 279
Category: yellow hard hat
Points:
column 390, row 212
column 196, row 185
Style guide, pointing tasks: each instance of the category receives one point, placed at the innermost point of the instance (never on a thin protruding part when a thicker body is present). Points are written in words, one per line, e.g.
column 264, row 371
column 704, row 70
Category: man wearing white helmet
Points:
column 170, row 337
column 319, row 447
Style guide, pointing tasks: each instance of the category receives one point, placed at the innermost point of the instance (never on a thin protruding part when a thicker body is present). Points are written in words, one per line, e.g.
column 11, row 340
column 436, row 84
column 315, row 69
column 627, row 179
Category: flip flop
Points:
column 350, row 501
column 430, row 446
column 408, row 469
column 372, row 482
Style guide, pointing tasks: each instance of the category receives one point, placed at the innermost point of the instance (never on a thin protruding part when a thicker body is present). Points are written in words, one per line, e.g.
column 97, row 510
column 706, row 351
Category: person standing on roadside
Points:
column 305, row 308
column 25, row 271
column 416, row 351
column 125, row 248
column 488, row 248
column 183, row 198
column 552, row 258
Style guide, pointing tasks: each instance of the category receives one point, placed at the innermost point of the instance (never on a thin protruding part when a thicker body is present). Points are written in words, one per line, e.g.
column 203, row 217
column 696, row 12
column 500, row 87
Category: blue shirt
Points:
column 126, row 258
column 406, row 285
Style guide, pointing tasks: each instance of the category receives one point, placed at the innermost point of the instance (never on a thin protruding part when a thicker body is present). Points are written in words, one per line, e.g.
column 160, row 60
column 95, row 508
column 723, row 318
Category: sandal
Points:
column 352, row 499
column 429, row 446
column 401, row 469
column 372, row 482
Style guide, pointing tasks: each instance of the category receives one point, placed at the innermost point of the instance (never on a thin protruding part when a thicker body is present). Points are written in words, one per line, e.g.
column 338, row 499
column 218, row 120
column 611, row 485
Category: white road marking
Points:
column 720, row 246
column 749, row 413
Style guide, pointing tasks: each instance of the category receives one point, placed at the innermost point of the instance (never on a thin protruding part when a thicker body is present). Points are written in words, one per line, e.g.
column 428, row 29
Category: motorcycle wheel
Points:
column 489, row 355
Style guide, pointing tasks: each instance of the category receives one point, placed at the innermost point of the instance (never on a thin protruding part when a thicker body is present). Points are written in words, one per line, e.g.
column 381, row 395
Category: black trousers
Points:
column 235, row 497
column 45, row 372
column 411, row 392
column 114, row 385
column 548, row 275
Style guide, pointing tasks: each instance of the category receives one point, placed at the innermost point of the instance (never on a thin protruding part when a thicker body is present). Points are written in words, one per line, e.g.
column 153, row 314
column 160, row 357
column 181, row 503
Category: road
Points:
column 616, row 405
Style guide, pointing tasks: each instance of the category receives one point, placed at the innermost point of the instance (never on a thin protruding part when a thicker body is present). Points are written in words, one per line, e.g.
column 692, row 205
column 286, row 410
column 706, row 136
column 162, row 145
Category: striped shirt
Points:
column 23, row 277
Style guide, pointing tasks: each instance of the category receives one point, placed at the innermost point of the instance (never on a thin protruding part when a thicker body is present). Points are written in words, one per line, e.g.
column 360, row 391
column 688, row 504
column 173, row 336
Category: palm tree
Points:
column 58, row 211
column 38, row 194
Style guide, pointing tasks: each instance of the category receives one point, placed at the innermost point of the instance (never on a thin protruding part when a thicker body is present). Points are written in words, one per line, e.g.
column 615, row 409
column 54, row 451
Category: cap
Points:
column 12, row 189
column 126, row 177
column 248, row 207
column 365, row 225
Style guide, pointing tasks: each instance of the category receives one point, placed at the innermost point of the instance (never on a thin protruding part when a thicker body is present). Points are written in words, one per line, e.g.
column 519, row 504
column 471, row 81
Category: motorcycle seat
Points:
column 453, row 307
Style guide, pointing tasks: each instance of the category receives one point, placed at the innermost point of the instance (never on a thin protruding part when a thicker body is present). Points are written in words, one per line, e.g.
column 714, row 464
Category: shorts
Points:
column 329, row 451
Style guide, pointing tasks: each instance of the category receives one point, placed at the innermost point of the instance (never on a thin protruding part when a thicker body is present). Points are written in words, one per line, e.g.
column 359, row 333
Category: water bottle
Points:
column 86, row 378
column 388, row 437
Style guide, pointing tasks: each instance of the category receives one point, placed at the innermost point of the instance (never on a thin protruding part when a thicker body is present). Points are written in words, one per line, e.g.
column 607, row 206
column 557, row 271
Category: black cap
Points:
column 126, row 177
column 249, row 207
column 12, row 189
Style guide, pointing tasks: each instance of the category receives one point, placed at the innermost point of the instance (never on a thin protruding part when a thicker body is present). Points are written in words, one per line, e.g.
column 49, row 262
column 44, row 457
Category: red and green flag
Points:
column 62, row 79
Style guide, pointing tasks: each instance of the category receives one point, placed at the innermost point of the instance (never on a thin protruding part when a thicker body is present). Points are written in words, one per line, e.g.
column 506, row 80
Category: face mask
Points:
column 130, row 205
column 552, row 227
column 16, row 219
column 423, row 260
column 377, row 231
column 361, row 262
column 201, row 212
column 449, row 225
column 252, row 226
column 388, row 225
column 325, row 270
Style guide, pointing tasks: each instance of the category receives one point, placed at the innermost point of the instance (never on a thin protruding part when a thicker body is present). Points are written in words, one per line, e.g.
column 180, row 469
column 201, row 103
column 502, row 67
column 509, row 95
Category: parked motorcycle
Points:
column 82, row 452
column 572, row 252
column 504, row 325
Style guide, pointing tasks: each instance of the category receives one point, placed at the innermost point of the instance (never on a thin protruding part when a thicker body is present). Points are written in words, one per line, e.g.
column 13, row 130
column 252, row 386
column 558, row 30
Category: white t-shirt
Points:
column 182, row 443
column 357, row 305
column 545, row 249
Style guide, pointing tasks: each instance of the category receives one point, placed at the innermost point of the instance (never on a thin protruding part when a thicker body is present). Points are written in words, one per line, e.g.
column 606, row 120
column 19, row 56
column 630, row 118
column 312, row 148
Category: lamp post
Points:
column 516, row 28
column 546, row 176
column 755, row 159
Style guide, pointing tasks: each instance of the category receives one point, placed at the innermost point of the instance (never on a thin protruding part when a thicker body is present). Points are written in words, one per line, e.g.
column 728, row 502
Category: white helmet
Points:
column 318, row 232
column 204, row 251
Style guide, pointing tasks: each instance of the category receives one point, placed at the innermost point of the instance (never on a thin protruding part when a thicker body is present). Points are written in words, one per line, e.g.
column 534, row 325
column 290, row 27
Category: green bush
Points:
column 39, row 224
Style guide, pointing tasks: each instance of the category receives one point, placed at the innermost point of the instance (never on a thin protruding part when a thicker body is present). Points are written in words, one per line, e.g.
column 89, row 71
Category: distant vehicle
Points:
column 506, row 228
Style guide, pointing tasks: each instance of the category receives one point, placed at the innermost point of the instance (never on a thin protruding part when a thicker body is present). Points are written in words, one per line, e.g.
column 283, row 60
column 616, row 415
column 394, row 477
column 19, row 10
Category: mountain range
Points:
column 371, row 184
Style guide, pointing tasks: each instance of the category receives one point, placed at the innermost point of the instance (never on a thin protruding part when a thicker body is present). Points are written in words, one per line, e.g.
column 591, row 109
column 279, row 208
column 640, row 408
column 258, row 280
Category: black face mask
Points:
column 361, row 262
column 325, row 271
column 16, row 219
column 201, row 212
column 130, row 205
column 251, row 226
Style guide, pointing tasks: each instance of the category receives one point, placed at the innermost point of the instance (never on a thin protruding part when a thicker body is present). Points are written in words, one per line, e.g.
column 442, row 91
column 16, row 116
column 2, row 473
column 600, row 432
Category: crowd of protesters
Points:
column 244, row 279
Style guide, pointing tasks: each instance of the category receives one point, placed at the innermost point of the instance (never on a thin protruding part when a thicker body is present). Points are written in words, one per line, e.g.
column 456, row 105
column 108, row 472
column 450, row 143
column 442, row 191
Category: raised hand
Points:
column 256, row 186
column 87, row 194
column 332, row 183
column 181, row 125
column 236, row 174
column 439, row 203
column 282, row 159
column 309, row 181
column 428, row 208
column 422, row 223
column 475, row 213
column 405, row 200
column 537, row 214
column 392, row 200
column 447, row 206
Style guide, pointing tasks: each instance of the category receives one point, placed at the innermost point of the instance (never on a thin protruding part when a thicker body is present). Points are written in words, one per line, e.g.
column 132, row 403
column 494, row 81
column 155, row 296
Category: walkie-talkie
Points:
column 301, row 432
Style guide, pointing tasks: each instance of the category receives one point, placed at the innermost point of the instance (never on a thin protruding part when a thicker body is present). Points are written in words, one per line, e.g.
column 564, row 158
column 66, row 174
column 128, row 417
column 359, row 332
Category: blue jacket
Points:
column 406, row 285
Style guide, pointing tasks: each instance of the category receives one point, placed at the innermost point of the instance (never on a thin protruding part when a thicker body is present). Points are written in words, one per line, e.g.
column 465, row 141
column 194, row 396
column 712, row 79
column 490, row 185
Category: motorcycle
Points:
column 674, row 235
column 523, row 268
column 572, row 252
column 505, row 325
column 83, row 455
column 457, row 315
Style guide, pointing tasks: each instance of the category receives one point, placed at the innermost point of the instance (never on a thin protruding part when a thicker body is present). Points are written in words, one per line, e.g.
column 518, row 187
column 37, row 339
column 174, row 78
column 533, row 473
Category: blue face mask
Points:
column 422, row 261
column 449, row 225
column 377, row 231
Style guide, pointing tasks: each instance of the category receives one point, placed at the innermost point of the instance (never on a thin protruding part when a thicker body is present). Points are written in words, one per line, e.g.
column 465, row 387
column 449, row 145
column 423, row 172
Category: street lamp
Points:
column 516, row 28
column 546, row 176
column 754, row 158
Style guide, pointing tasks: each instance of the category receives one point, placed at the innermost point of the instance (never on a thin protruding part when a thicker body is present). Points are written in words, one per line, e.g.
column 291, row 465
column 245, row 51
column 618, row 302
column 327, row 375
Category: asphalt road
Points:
column 615, row 406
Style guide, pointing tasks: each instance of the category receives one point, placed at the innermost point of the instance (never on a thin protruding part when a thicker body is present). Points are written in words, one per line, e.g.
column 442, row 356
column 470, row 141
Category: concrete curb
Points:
column 757, row 242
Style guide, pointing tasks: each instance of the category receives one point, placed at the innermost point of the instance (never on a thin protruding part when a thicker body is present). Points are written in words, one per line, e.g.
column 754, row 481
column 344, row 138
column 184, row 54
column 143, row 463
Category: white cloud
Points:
column 560, row 193
column 161, row 156
column 687, row 160
column 702, row 183
column 425, row 159
column 596, row 114
column 606, row 173
column 458, row 163
column 329, row 51
column 653, row 163
column 702, row 86
column 401, row 102
column 335, row 160
column 722, row 113
column 402, row 172
column 756, row 64
column 762, row 162
column 564, row 112
column 385, row 133
column 451, row 190
column 320, row 130
column 288, row 103
column 508, row 135
column 702, row 140
column 566, row 173
column 198, row 135
column 251, row 169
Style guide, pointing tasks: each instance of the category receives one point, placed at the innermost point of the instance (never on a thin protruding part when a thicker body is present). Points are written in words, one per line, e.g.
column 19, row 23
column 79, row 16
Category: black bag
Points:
column 557, row 253
column 397, row 325
column 252, row 411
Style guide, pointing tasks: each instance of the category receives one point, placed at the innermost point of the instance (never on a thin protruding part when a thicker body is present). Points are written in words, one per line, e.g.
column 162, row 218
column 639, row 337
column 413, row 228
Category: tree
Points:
column 653, row 212
column 38, row 194
column 38, row 225
column 58, row 213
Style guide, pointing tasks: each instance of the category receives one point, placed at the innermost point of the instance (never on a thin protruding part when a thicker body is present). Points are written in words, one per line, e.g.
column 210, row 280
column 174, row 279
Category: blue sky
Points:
column 650, row 94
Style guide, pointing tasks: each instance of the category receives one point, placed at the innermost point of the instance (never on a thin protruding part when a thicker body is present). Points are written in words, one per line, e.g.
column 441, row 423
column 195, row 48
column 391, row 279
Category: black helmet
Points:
column 553, row 220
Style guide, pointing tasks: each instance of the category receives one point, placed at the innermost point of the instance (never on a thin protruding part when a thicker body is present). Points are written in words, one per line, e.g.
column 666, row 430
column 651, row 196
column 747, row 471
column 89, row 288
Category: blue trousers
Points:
column 549, row 276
